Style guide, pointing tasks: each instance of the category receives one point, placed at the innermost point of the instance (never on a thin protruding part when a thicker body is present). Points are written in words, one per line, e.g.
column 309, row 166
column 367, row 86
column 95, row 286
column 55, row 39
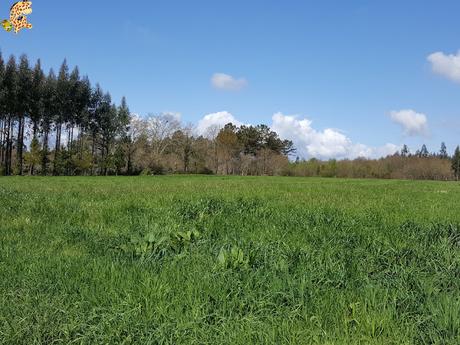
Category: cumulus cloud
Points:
column 309, row 142
column 214, row 122
column 226, row 82
column 413, row 123
column 446, row 65
column 325, row 144
column 174, row 115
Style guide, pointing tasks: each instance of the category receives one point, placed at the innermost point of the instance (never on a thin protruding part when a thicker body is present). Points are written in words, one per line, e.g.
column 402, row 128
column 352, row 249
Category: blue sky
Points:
column 332, row 71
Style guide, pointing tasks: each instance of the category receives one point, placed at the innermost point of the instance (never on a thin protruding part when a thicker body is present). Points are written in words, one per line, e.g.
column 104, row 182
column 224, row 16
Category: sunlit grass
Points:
column 228, row 260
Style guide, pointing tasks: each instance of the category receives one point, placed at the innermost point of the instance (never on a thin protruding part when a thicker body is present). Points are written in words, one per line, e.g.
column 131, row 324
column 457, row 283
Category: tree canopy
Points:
column 63, row 125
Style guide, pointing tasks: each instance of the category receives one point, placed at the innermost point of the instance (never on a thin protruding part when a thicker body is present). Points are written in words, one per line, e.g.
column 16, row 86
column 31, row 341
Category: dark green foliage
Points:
column 37, row 106
column 23, row 107
column 456, row 162
column 56, row 108
column 405, row 151
column 10, row 107
column 443, row 151
column 423, row 153
column 253, row 139
column 49, row 112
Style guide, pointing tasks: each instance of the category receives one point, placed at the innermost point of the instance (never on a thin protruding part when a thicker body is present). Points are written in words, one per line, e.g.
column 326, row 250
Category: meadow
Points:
column 228, row 260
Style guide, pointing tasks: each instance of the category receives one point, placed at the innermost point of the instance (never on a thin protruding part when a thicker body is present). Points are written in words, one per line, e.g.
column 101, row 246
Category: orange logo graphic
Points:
column 18, row 17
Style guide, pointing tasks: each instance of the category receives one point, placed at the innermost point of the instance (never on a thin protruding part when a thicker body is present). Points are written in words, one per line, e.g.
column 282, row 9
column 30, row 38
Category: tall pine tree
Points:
column 49, row 114
column 63, row 105
column 23, row 107
column 443, row 152
column 36, row 110
column 10, row 87
column 456, row 163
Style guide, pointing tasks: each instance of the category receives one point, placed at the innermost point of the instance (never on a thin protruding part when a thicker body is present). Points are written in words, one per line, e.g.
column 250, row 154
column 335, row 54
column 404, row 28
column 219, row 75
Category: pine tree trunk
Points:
column 58, row 138
column 93, row 152
column 71, row 136
column 57, row 147
column 105, row 154
column 45, row 153
column 129, row 164
column 69, row 143
column 34, row 137
column 34, row 130
column 2, row 142
column 81, row 135
column 9, row 146
column 82, row 142
column 20, row 144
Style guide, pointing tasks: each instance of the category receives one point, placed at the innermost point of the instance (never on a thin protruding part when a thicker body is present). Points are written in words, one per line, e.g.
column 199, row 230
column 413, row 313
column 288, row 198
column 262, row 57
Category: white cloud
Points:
column 326, row 144
column 224, row 81
column 214, row 122
column 446, row 65
column 174, row 115
column 309, row 142
column 385, row 150
column 413, row 123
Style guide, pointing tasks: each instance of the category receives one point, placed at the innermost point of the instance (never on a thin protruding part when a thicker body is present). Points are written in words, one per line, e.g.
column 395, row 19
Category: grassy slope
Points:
column 330, row 261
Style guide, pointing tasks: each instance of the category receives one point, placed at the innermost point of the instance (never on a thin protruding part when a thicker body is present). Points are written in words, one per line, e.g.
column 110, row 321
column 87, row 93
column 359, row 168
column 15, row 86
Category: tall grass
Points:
column 228, row 260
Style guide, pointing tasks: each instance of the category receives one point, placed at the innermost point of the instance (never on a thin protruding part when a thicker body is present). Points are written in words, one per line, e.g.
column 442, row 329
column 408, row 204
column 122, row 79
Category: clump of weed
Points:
column 156, row 245
column 182, row 239
column 232, row 258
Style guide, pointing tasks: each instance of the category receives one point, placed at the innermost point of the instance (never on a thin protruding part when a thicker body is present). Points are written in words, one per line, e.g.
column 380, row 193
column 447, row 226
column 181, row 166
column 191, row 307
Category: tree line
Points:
column 56, row 124
column 420, row 165
column 62, row 125
column 159, row 144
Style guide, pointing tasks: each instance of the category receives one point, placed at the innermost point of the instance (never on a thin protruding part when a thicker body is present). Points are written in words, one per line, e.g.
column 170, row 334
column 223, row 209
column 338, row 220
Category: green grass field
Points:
column 228, row 260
